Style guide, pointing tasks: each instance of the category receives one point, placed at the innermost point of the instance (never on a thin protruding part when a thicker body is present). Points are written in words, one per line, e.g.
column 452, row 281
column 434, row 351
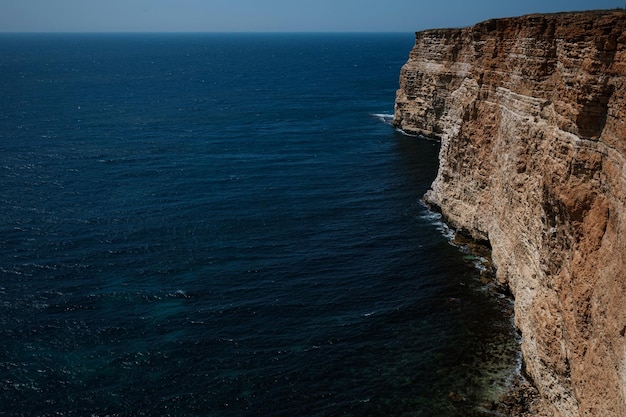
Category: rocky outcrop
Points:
column 531, row 113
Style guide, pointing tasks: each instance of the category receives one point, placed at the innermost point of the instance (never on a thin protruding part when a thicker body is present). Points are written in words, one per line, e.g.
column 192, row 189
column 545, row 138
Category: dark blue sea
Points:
column 223, row 225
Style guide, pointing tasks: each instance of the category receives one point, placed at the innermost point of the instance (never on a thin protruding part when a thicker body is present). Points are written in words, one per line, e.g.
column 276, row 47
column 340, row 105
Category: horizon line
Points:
column 182, row 32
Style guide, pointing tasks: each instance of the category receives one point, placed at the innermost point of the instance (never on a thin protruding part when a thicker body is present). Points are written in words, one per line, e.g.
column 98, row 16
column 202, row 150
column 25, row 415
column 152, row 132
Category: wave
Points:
column 388, row 119
column 479, row 262
column 411, row 135
column 383, row 117
column 417, row 135
column 436, row 219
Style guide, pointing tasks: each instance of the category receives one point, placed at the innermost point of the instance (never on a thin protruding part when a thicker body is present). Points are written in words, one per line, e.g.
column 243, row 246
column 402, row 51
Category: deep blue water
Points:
column 216, row 225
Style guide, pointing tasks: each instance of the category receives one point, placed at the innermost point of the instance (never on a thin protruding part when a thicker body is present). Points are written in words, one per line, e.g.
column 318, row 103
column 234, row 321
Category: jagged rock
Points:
column 531, row 113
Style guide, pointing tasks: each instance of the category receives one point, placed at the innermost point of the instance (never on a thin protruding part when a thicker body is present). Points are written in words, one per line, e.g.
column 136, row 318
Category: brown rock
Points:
column 531, row 113
column 455, row 397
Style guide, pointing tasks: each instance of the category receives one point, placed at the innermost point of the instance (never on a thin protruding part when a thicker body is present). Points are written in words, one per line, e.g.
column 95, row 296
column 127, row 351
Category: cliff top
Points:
column 567, row 19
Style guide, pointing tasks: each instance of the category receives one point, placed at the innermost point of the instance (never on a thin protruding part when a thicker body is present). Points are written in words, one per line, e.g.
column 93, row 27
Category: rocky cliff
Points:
column 531, row 113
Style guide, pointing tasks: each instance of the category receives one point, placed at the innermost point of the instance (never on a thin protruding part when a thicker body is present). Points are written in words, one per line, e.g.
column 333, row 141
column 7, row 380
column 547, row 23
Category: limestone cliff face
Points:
column 531, row 113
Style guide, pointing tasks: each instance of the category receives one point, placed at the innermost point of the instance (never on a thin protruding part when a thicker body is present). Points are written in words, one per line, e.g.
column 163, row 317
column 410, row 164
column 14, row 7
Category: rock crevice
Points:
column 531, row 113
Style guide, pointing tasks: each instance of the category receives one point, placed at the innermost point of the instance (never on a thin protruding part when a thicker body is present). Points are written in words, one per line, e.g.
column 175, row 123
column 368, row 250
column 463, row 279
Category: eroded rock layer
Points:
column 531, row 113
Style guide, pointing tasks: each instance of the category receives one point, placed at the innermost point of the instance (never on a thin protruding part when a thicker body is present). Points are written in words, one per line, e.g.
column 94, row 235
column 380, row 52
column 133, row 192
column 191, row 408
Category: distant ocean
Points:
column 223, row 225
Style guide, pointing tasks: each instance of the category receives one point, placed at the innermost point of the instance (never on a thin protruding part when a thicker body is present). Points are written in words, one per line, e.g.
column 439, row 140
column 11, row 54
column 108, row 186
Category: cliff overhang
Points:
column 531, row 114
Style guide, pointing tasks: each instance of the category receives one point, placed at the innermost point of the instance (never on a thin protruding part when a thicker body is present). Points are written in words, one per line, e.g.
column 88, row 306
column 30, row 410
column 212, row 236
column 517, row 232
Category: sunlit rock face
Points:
column 531, row 113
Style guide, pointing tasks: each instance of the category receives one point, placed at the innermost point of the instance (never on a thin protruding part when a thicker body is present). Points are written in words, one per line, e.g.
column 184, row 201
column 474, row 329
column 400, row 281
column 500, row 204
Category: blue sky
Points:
column 267, row 15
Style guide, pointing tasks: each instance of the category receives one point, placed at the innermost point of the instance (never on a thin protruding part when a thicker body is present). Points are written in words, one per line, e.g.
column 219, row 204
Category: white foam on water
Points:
column 407, row 134
column 383, row 117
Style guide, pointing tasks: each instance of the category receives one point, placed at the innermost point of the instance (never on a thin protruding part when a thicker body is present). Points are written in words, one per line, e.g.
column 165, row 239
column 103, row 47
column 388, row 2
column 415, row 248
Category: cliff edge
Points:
column 531, row 113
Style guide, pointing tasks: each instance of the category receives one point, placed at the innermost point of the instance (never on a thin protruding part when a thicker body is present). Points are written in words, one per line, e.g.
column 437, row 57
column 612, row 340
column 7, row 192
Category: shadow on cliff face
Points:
column 592, row 116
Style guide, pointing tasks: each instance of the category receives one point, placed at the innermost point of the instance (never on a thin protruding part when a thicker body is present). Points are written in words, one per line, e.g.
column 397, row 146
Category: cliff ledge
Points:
column 531, row 113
